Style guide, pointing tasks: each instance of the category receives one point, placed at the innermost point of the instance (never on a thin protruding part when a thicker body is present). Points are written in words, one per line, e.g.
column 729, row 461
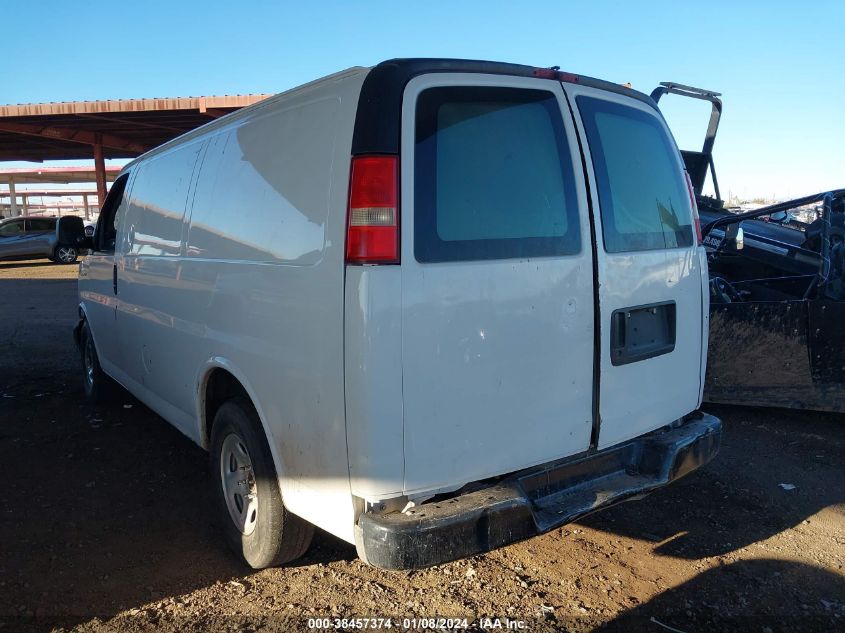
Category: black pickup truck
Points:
column 777, row 290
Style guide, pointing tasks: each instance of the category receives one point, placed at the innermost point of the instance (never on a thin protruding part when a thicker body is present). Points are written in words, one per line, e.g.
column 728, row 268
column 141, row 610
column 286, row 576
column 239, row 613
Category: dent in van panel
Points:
column 664, row 269
column 263, row 193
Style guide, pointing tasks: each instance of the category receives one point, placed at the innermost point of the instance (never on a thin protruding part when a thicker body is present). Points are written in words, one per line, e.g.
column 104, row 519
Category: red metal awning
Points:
column 118, row 128
column 124, row 128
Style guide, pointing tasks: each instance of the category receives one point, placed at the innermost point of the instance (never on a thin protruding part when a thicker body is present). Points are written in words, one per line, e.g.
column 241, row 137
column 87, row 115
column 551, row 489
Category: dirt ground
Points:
column 105, row 524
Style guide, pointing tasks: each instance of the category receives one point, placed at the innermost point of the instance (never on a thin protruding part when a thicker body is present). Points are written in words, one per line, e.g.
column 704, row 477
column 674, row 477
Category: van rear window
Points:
column 493, row 176
column 643, row 197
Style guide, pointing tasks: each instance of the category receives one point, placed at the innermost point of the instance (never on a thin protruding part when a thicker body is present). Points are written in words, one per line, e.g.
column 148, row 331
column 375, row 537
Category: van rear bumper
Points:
column 535, row 500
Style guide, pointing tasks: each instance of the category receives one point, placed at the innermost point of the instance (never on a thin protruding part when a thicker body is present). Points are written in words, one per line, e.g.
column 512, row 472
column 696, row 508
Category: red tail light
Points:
column 373, row 219
column 694, row 206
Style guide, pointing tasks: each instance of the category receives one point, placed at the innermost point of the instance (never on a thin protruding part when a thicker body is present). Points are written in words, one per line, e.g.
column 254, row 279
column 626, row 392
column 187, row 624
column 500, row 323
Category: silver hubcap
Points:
column 66, row 254
column 88, row 361
column 238, row 481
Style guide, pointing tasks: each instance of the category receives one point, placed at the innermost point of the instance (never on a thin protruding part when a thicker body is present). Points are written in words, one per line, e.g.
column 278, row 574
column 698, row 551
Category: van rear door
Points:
column 650, row 269
column 497, row 279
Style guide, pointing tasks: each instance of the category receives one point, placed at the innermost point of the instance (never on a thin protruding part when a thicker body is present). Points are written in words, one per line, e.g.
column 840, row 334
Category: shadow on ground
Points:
column 725, row 599
column 109, row 509
column 737, row 500
column 105, row 509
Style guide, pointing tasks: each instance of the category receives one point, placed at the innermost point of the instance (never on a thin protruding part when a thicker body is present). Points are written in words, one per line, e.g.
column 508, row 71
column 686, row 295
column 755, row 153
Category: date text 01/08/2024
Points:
column 486, row 623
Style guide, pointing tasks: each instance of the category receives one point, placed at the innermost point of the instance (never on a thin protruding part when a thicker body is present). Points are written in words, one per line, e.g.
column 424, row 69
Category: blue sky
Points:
column 779, row 65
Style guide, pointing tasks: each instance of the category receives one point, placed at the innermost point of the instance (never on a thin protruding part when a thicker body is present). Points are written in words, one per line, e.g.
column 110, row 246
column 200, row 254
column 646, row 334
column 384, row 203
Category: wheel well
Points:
column 220, row 386
column 77, row 330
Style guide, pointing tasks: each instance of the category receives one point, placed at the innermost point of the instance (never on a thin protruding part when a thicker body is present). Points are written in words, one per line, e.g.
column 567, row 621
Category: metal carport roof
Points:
column 117, row 128
column 124, row 128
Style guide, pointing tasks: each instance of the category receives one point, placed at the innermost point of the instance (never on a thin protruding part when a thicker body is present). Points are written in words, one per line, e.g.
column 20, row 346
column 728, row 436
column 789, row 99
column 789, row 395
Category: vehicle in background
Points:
column 777, row 291
column 431, row 307
column 35, row 237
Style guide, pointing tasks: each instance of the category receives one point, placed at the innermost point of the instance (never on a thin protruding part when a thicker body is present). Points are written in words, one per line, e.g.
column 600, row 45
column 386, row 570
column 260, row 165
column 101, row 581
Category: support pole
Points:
column 85, row 202
column 23, row 200
column 13, row 198
column 100, row 172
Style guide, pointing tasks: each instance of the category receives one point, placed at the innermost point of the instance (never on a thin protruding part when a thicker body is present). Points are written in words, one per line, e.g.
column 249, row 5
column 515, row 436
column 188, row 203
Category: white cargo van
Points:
column 432, row 307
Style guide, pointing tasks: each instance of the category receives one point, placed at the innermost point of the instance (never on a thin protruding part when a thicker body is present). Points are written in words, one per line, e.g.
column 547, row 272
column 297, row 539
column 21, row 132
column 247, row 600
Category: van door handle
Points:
column 642, row 332
column 114, row 278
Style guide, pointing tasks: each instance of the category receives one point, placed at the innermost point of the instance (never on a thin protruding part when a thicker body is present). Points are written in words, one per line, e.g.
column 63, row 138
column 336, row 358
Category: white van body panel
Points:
column 157, row 355
column 373, row 368
column 99, row 304
column 98, row 300
column 374, row 382
column 238, row 263
column 497, row 355
column 642, row 396
column 705, row 320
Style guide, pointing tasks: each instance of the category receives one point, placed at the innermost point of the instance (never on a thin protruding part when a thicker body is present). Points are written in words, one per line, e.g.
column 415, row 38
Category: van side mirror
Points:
column 71, row 231
column 779, row 216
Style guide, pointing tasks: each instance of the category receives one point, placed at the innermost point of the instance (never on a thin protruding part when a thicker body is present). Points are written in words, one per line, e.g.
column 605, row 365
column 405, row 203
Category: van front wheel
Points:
column 250, row 511
column 98, row 387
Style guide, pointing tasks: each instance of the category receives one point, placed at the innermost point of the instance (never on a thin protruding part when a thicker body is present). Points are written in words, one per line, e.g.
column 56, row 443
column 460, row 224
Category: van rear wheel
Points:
column 250, row 511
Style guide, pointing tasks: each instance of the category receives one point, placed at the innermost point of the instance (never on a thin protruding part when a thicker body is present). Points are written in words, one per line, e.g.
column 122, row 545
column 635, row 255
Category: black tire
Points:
column 273, row 536
column 65, row 255
column 98, row 387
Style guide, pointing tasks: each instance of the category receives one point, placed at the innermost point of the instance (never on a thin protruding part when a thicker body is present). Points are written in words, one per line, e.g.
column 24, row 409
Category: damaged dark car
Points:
column 777, row 290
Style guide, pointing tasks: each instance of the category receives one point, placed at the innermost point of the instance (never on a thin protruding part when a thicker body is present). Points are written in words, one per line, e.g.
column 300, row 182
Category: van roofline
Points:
column 225, row 121
column 377, row 126
column 378, row 121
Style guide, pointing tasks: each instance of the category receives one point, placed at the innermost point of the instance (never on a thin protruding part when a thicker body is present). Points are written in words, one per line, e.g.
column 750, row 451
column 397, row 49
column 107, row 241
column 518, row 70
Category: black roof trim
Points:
column 378, row 122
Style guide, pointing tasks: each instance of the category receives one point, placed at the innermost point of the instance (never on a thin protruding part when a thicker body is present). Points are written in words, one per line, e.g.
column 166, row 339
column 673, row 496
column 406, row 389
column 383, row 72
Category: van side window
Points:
column 158, row 200
column 265, row 187
column 107, row 223
column 493, row 176
column 643, row 197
